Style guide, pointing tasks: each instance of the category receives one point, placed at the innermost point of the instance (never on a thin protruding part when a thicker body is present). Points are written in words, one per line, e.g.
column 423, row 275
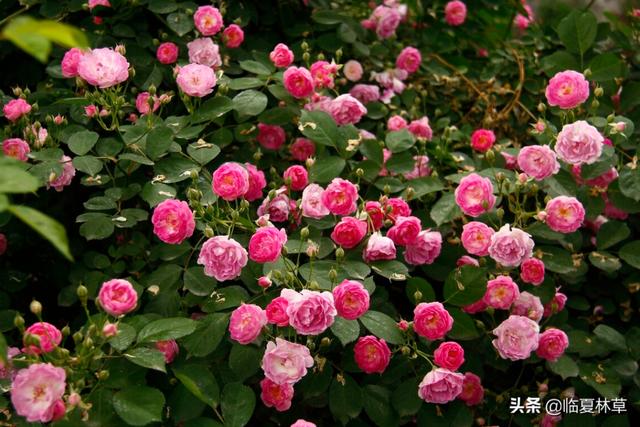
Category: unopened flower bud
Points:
column 333, row 274
column 110, row 330
column 264, row 282
column 403, row 325
column 310, row 162
column 35, row 307
column 304, row 233
column 405, row 350
column 339, row 253
column 18, row 321
column 359, row 172
column 542, row 107
column 65, row 331
column 598, row 92
column 306, row 56
column 541, row 216
column 103, row 375
column 208, row 231
column 77, row 337
column 313, row 285
column 587, row 73
column 325, row 342
column 417, row 296
column 74, row 399
column 490, row 155
column 595, row 103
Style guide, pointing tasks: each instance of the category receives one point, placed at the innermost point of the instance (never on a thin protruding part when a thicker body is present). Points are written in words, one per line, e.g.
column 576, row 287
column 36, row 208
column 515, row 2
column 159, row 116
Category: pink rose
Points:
column 110, row 330
column 310, row 312
column 65, row 178
column 117, row 297
column 564, row 214
column 233, row 36
column 303, row 423
column 103, row 67
column 482, row 140
column 49, row 337
column 281, row 55
column 246, row 323
column 91, row 111
column 552, row 344
column 396, row 122
column 298, row 176
column 208, row 20
column 173, row 221
column 230, row 181
column 567, row 89
column 449, row 355
column 532, row 271
column 142, row 103
column 204, row 52
column 276, row 311
column 349, row 232
column 420, row 169
column 345, row 109
column 579, row 143
column 522, row 21
column 476, row 238
column 275, row 395
column 257, row 182
column 474, row 195
column 223, row 258
column 467, row 260
column 475, row 307
column 15, row 109
column 405, row 230
column 70, row 62
column 516, row 338
column 340, row 197
column 196, row 80
column 169, row 349
column 323, row 73
column 266, row 244
column 528, row 305
column 510, row 246
column 375, row 214
column 556, row 305
column 440, row 386
column 601, row 181
column 298, row 82
column 271, row 136
column 387, row 20
column 501, row 292
column 352, row 70
column 302, row 149
column 37, row 391
column 409, row 60
column 285, row 362
column 421, row 129
column 372, row 354
column 425, row 249
column 351, row 299
column 455, row 12
column 16, row 148
column 167, row 53
column 472, row 390
column 538, row 161
column 93, row 3
column 431, row 320
column 312, row 202
column 379, row 248
column 365, row 93
column 277, row 208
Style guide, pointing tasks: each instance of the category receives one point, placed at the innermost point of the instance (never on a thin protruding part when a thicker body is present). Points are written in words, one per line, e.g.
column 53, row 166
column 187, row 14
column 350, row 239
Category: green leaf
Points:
column 147, row 357
column 125, row 337
column 199, row 381
column 425, row 185
column 405, row 399
column 82, row 142
column 630, row 182
column 87, row 164
column 250, row 102
column 326, row 168
column 159, row 140
column 207, row 336
column 464, row 327
column 346, row 331
column 392, row 270
column 630, row 253
column 16, row 180
column 198, row 283
column 46, row 226
column 556, row 259
column 255, row 67
column 559, row 61
column 611, row 337
column 419, row 284
column 139, row 405
column 606, row 66
column 244, row 360
column 445, row 209
column 167, row 329
column 3, row 350
column 465, row 285
column 377, row 405
column 154, row 193
column 371, row 149
column 238, row 403
column 320, row 127
column 345, row 400
column 401, row 163
column 382, row 326
column 97, row 228
column 565, row 366
column 630, row 96
column 605, row 261
column 212, row 108
column 180, row 23
column 399, row 140
column 162, row 6
column 243, row 83
column 203, row 153
column 578, row 31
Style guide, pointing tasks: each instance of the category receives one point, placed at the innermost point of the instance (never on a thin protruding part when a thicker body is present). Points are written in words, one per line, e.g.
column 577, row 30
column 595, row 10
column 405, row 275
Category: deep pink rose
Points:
column 425, row 249
column 103, row 67
column 257, row 182
column 372, row 354
column 302, row 149
column 532, row 271
column 298, row 82
column 538, row 161
column 409, row 59
column 167, row 53
column 564, row 214
column 379, row 248
column 204, row 51
column 501, row 292
column 36, row 392
column 169, row 349
column 475, row 307
column 276, row 311
column 340, row 197
column 552, row 344
column 431, row 320
column 510, row 246
column 455, row 12
column 579, row 143
column 173, row 221
column 528, row 305
column 567, row 89
column 266, row 244
column 472, row 390
column 440, row 386
column 405, row 230
column 467, row 260
column 233, row 36
column 70, row 62
column 281, row 55
column 396, row 207
column 449, row 355
column 516, row 338
column 556, row 305
column 349, row 232
column 375, row 215
column 421, row 129
column 474, row 195
column 93, row 3
column 476, row 238
column 277, row 208
column 223, row 258
column 196, row 80
column 396, row 122
column 16, row 148
column 246, row 323
column 482, row 140
column 49, row 338
column 323, row 74
column 351, row 299
column 285, row 362
column 15, row 109
column 117, row 297
column 271, row 136
column 208, row 20
column 345, row 109
column 230, row 181
column 310, row 312
column 275, row 395
column 312, row 204
column 298, row 176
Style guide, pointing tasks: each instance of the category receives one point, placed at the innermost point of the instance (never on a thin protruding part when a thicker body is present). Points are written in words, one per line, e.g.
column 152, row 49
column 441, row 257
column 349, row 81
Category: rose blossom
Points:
column 409, row 59
column 352, row 70
column 396, row 207
column 501, row 292
column 579, row 143
column 266, row 244
column 528, row 305
column 475, row 307
column 555, row 305
column 421, row 129
column 49, row 337
column 340, row 197
column 310, row 312
column 298, row 82
column 285, row 362
column 482, row 140
column 425, row 249
column 233, row 36
column 538, row 161
column 420, row 169
column 476, row 238
column 208, row 20
column 302, row 149
column 516, row 338
column 204, row 51
column 275, row 395
column 271, row 136
column 440, row 386
column 16, row 148
column 257, row 182
column 431, row 320
column 94, row 3
column 196, row 80
column 70, row 62
column 372, row 354
column 281, row 55
column 36, row 392
column 567, row 89
column 455, row 12
column 405, row 230
column 379, row 248
column 276, row 311
column 349, row 232
column 142, row 103
column 117, row 297
column 110, row 330
column 552, row 344
column 375, row 214
column 312, row 205
column 103, row 67
column 510, row 246
column 303, row 423
column 346, row 109
column 223, row 258
column 351, row 299
column 532, row 271
column 246, row 322
column 167, row 53
column 449, row 355
column 278, row 208
column 365, row 93
column 474, row 195
column 298, row 176
column 173, row 221
column 323, row 73
column 564, row 214
column 230, row 181
column 168, row 348
column 396, row 122
column 601, row 181
column 15, row 109
column 472, row 390
column 467, row 260
column 521, row 21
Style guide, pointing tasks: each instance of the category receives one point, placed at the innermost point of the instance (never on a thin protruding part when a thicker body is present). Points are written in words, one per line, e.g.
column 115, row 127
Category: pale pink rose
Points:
column 476, row 238
column 323, row 74
column 509, row 160
column 169, row 349
column 36, row 392
column 15, row 109
column 482, row 140
column 379, row 248
column 223, row 258
column 103, row 67
column 391, row 80
column 16, row 148
column 233, row 36
column 276, row 311
column 371, row 354
column 208, row 20
column 271, row 136
column 421, row 129
column 346, row 109
column 70, row 62
column 440, row 386
column 35, row 134
column 552, row 344
column 110, row 330
column 409, row 60
column 298, row 82
column 425, row 249
column 167, row 53
column 528, row 305
column 532, row 271
column 387, row 21
column 319, row 102
column 204, row 51
column 475, row 307
column 266, row 244
column 396, row 207
column 312, row 205
column 303, row 423
column 420, row 169
column 556, row 305
column 94, row 3
column 522, row 22
column 257, row 182
column 7, row 370
column 310, row 312
column 117, row 297
column 564, row 214
column 302, row 149
column 230, row 181
column 396, row 122
column 405, row 230
column 467, row 260
column 474, row 195
column 246, row 323
column 431, row 320
column 510, row 246
column 455, row 12
column 516, row 338
column 277, row 208
column 449, row 355
column 142, row 103
column 49, row 338
column 567, row 89
column 298, row 176
column 285, row 362
column 196, row 80
column 501, row 292
column 579, row 143
column 472, row 390
column 340, row 197
column 365, row 93
column 352, row 70
column 276, row 396
column 375, row 215
column 173, row 221
column 281, row 55
column 538, row 161
column 351, row 299
column 349, row 232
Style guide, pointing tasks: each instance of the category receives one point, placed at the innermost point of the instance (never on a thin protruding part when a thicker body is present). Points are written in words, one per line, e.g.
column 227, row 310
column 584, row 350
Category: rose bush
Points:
column 318, row 213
